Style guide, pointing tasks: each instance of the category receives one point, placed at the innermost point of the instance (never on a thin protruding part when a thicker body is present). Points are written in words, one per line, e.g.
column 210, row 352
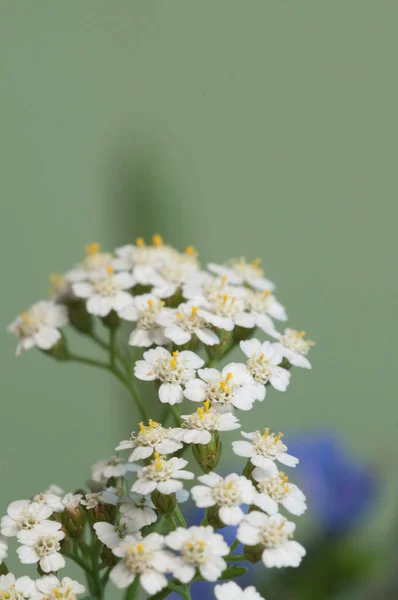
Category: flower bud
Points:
column 213, row 519
column 102, row 512
column 59, row 351
column 219, row 350
column 248, row 470
column 107, row 557
column 79, row 318
column 243, row 333
column 112, row 320
column 253, row 553
column 165, row 503
column 73, row 521
column 208, row 455
column 3, row 569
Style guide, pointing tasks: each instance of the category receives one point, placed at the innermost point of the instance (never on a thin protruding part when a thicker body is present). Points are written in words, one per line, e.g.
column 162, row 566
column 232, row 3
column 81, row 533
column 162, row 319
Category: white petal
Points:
column 212, row 569
column 207, row 336
column 170, row 393
column 242, row 448
column 121, row 576
column 195, row 390
column 52, row 562
column 152, row 581
column 177, row 335
column 169, row 487
column 231, row 515
column 140, row 339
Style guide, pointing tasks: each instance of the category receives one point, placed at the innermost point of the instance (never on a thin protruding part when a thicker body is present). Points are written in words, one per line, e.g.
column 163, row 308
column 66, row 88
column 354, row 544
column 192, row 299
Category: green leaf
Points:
column 233, row 572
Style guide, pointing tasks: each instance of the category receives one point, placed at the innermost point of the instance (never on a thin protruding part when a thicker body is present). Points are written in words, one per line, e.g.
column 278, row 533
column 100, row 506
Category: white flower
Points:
column 16, row 589
column 71, row 501
column 105, row 292
column 3, row 549
column 240, row 271
column 227, row 494
column 139, row 509
column 145, row 310
column 263, row 304
column 184, row 322
column 232, row 591
column 95, row 263
column 232, row 387
column 198, row 427
column 153, row 438
column 110, row 535
column 108, row 496
column 53, row 488
column 162, row 475
column 200, row 548
column 273, row 489
column 263, row 362
column 145, row 558
column 264, row 449
column 41, row 544
column 39, row 326
column 137, row 259
column 102, row 470
column 274, row 533
column 24, row 515
column 294, row 347
column 51, row 588
column 173, row 371
column 54, row 501
column 221, row 304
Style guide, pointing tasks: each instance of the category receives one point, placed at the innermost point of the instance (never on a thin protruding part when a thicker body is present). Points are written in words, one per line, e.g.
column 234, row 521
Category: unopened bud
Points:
column 107, row 557
column 79, row 318
column 59, row 351
column 102, row 512
column 3, row 569
column 253, row 553
column 208, row 455
column 219, row 350
column 213, row 519
column 165, row 503
column 243, row 333
column 112, row 320
column 73, row 521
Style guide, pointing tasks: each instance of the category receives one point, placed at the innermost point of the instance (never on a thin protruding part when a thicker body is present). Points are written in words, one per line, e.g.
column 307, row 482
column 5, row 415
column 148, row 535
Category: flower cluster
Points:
column 185, row 319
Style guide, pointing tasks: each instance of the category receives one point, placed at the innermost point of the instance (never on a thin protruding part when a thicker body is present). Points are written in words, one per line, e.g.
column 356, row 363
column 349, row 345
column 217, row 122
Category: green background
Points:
column 261, row 128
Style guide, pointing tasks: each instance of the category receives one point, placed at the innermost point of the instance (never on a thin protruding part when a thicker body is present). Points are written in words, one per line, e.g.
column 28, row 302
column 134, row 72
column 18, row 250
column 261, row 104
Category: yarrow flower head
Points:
column 263, row 362
column 51, row 588
column 172, row 370
column 139, row 509
column 274, row 534
column 162, row 475
column 144, row 558
column 199, row 549
column 146, row 310
column 16, row 589
column 24, row 515
column 264, row 449
column 239, row 271
column 181, row 324
column 294, row 347
column 274, row 488
column 228, row 494
column 110, row 534
column 232, row 591
column 105, row 292
column 42, row 545
column 151, row 438
column 102, row 470
column 95, row 263
column 39, row 326
column 231, row 388
column 198, row 427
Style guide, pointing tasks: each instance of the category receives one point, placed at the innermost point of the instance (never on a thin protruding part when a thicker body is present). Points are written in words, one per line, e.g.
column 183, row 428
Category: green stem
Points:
column 176, row 414
column 132, row 590
column 171, row 521
column 179, row 517
column 236, row 558
column 234, row 545
column 112, row 347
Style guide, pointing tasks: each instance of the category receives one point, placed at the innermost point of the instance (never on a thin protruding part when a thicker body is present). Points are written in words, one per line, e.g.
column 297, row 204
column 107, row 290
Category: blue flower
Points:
column 339, row 489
